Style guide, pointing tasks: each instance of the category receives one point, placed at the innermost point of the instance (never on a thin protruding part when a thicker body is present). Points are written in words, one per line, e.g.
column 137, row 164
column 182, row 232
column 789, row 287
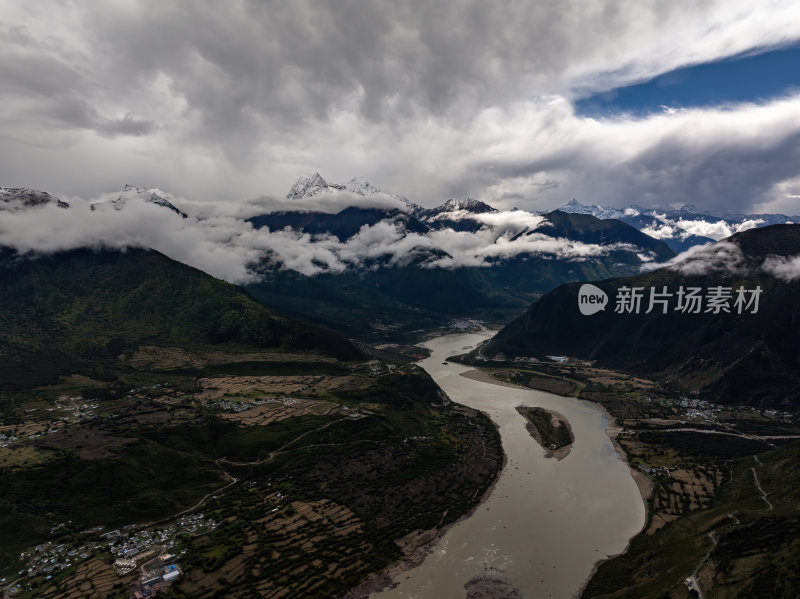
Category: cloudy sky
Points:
column 523, row 104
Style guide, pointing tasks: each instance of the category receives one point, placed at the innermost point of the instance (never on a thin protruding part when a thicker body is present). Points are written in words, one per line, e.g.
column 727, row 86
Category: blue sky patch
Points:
column 744, row 78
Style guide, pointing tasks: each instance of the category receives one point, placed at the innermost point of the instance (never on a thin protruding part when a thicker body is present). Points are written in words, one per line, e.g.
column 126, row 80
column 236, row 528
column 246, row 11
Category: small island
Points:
column 550, row 429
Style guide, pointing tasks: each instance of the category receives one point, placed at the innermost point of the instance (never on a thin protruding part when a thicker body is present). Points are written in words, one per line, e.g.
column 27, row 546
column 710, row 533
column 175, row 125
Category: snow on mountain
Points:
column 362, row 187
column 129, row 192
column 315, row 185
column 685, row 227
column 459, row 214
column 358, row 232
column 466, row 204
column 307, row 187
column 575, row 207
column 20, row 198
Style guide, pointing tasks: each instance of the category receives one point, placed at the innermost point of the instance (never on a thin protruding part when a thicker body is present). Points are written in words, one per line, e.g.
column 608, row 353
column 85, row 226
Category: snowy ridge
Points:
column 359, row 233
column 20, row 198
column 465, row 204
column 129, row 192
column 575, row 207
column 315, row 185
column 308, row 187
column 685, row 227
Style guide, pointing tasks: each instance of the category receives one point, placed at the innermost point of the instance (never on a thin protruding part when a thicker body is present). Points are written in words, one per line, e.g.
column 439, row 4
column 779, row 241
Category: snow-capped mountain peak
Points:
column 361, row 186
column 467, row 204
column 307, row 187
column 21, row 198
column 151, row 196
column 575, row 207
column 682, row 228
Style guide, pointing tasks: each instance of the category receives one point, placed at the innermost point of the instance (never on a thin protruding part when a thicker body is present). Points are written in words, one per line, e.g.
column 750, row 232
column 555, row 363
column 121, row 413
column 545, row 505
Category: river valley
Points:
column 547, row 522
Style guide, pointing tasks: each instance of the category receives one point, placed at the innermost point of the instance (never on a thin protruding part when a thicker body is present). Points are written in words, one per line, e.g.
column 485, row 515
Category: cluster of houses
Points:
column 654, row 471
column 502, row 357
column 375, row 367
column 465, row 325
column 7, row 439
column 132, row 545
column 153, row 581
column 78, row 410
column 48, row 559
column 241, row 406
column 74, row 409
column 699, row 409
column 526, row 360
column 128, row 544
column 557, row 359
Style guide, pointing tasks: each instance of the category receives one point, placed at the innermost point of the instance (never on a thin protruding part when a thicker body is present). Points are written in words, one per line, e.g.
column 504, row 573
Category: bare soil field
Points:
column 93, row 579
column 277, row 410
column 256, row 386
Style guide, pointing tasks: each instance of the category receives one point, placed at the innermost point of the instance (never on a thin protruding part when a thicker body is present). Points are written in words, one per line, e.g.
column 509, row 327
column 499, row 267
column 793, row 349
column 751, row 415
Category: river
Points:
column 547, row 522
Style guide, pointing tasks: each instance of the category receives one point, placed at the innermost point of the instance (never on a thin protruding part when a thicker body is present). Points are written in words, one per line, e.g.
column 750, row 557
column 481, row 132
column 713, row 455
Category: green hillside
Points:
column 78, row 311
column 749, row 358
column 589, row 229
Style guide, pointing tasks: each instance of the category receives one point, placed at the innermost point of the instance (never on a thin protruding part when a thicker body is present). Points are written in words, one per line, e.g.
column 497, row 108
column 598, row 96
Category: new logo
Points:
column 591, row 299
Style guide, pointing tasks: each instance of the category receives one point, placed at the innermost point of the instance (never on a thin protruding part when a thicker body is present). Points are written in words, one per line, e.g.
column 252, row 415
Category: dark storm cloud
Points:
column 429, row 99
column 731, row 171
column 126, row 125
column 45, row 90
column 284, row 65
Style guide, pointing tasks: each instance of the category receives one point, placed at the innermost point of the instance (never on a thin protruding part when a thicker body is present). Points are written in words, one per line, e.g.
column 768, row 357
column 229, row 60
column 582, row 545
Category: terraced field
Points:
column 315, row 479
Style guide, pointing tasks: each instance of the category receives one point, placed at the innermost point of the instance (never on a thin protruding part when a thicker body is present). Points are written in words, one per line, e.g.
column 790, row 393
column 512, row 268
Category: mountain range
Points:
column 725, row 350
column 20, row 198
column 424, row 266
column 315, row 185
column 348, row 254
column 151, row 196
column 684, row 227
column 88, row 306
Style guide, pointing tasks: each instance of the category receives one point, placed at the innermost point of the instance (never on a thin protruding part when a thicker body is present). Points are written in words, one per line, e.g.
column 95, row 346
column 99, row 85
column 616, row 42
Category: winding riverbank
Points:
column 416, row 546
column 546, row 523
column 643, row 482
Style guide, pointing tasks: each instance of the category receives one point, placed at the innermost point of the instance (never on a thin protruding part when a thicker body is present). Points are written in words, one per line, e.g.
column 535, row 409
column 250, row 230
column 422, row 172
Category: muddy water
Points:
column 546, row 522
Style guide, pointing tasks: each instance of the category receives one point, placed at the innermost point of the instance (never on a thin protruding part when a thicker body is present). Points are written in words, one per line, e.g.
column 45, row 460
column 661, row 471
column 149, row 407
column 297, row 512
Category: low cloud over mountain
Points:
column 686, row 226
column 227, row 246
column 738, row 348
